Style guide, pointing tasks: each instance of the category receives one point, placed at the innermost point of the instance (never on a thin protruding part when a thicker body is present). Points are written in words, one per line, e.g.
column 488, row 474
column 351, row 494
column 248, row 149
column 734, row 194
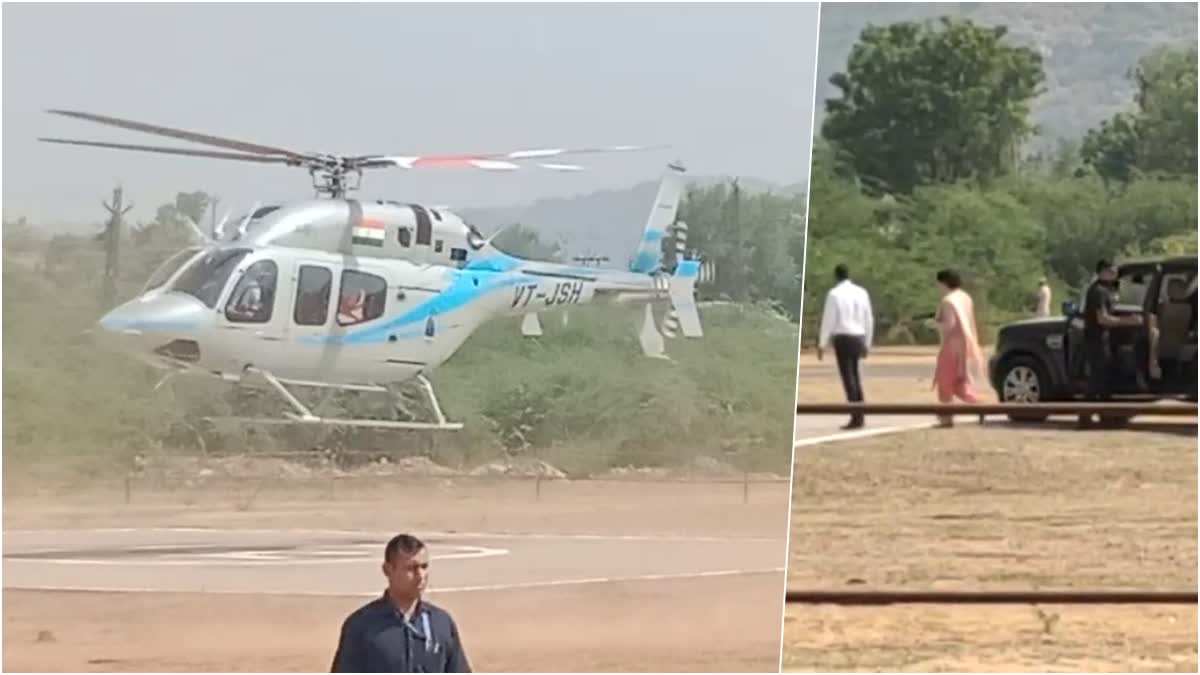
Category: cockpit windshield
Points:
column 169, row 267
column 205, row 277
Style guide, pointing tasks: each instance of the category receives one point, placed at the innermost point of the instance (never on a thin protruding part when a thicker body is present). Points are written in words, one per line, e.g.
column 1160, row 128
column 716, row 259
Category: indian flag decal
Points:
column 370, row 232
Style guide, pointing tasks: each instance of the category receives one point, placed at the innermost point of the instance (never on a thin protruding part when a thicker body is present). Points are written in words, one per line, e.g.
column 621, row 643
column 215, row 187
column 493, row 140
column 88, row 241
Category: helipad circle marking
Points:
column 384, row 536
column 249, row 556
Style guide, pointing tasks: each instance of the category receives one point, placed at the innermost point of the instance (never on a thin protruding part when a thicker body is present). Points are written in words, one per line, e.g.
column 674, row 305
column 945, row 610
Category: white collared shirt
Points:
column 847, row 312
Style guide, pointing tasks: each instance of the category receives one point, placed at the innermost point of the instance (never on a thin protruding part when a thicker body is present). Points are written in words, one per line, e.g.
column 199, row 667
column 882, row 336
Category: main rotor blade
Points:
column 493, row 161
column 184, row 135
column 176, row 151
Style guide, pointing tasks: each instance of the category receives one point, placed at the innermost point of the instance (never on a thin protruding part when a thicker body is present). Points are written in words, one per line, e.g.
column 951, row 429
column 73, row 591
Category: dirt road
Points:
column 584, row 576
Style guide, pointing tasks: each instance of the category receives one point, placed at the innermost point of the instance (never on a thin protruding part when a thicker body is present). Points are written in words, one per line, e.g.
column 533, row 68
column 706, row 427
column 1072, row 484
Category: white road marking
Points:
column 246, row 558
column 860, row 433
column 432, row 591
column 387, row 535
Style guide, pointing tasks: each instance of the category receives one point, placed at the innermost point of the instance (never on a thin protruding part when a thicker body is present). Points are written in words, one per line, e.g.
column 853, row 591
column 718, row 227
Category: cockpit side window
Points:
column 253, row 299
column 205, row 277
column 363, row 297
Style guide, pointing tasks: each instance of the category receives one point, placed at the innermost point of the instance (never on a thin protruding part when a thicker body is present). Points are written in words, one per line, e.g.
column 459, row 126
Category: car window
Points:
column 1132, row 288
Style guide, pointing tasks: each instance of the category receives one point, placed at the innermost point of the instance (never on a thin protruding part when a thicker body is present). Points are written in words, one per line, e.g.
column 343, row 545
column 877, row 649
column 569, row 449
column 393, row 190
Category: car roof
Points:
column 1159, row 260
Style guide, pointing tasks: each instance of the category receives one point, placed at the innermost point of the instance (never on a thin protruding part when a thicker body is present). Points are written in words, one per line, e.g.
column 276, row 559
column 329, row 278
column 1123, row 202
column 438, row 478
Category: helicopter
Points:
column 255, row 303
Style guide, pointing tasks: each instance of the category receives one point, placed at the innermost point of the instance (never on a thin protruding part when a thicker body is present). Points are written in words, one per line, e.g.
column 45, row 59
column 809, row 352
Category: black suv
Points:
column 1041, row 359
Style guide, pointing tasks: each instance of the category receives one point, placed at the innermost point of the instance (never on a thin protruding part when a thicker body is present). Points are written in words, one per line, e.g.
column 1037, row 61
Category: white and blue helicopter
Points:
column 344, row 294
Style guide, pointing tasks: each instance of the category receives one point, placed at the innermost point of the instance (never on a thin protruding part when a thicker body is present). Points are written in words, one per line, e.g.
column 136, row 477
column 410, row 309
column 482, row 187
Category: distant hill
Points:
column 605, row 223
column 1087, row 49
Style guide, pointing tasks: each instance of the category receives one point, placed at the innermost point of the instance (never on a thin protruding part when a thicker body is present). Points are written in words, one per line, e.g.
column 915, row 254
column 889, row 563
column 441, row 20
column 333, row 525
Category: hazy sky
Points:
column 729, row 86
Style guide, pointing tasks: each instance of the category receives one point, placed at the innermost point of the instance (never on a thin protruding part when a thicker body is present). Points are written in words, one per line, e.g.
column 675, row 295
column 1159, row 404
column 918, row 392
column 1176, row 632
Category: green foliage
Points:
column 1052, row 219
column 963, row 94
column 1160, row 137
column 755, row 240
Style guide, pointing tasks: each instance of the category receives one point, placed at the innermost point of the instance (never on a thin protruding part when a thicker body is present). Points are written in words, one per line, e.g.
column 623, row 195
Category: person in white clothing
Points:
column 847, row 322
column 1043, row 301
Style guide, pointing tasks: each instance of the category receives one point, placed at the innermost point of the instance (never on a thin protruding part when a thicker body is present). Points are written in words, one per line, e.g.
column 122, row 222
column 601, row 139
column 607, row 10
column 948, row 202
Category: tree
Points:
column 1160, row 136
column 921, row 105
column 1167, row 100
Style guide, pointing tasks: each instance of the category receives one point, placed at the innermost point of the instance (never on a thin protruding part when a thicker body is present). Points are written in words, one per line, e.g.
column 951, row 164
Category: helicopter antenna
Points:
column 329, row 172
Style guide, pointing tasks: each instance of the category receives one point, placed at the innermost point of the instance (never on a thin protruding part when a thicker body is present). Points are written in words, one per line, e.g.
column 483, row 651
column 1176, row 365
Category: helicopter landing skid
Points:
column 304, row 415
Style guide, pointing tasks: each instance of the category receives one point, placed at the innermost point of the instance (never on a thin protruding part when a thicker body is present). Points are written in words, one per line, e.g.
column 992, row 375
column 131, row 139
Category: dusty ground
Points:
column 646, row 625
column 996, row 508
column 987, row 507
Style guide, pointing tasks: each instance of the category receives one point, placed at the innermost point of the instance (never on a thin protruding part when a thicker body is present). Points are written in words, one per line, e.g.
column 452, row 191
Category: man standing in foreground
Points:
column 400, row 632
column 847, row 322
column 1098, row 319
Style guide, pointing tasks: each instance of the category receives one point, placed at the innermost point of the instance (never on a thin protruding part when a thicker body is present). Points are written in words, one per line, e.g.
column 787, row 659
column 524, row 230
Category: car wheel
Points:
column 1024, row 381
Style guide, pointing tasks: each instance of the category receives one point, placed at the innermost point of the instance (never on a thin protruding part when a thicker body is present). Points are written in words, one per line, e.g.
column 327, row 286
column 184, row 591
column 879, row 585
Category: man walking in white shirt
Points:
column 847, row 323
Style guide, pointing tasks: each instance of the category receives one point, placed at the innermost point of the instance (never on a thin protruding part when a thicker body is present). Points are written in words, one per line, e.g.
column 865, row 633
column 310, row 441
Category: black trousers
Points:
column 849, row 349
column 1099, row 361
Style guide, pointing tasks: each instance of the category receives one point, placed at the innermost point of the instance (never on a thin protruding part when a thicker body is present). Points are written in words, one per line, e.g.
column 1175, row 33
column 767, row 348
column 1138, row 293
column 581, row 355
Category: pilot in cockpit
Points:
column 252, row 294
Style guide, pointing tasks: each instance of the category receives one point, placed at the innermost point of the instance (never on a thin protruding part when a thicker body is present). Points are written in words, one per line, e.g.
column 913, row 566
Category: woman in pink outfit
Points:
column 959, row 356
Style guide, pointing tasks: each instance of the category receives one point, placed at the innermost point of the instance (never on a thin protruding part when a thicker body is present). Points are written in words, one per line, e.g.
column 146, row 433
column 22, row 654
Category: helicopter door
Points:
column 250, row 307
column 312, row 303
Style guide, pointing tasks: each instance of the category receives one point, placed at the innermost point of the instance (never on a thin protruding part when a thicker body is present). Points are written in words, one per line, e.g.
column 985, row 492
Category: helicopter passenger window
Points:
column 254, row 296
column 312, row 296
column 362, row 298
column 404, row 236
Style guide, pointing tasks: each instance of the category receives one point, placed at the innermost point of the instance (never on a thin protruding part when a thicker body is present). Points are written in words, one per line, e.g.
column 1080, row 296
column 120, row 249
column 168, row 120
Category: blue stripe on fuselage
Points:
column 474, row 281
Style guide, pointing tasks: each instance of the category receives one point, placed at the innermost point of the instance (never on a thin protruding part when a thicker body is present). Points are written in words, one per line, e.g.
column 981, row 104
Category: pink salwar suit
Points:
column 959, row 356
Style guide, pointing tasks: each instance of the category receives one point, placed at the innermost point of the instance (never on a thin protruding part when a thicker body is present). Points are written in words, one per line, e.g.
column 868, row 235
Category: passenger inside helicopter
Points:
column 362, row 298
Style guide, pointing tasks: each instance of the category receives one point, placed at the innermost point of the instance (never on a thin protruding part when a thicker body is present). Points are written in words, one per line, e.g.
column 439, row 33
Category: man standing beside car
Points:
column 1098, row 319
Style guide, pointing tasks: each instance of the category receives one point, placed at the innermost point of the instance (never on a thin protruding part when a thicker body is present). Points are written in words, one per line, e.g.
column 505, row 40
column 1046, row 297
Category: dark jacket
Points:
column 376, row 638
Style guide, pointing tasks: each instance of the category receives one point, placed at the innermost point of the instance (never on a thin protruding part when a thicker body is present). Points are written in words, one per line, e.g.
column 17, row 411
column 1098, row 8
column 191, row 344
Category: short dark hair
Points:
column 1104, row 264
column 841, row 271
column 402, row 543
column 949, row 278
